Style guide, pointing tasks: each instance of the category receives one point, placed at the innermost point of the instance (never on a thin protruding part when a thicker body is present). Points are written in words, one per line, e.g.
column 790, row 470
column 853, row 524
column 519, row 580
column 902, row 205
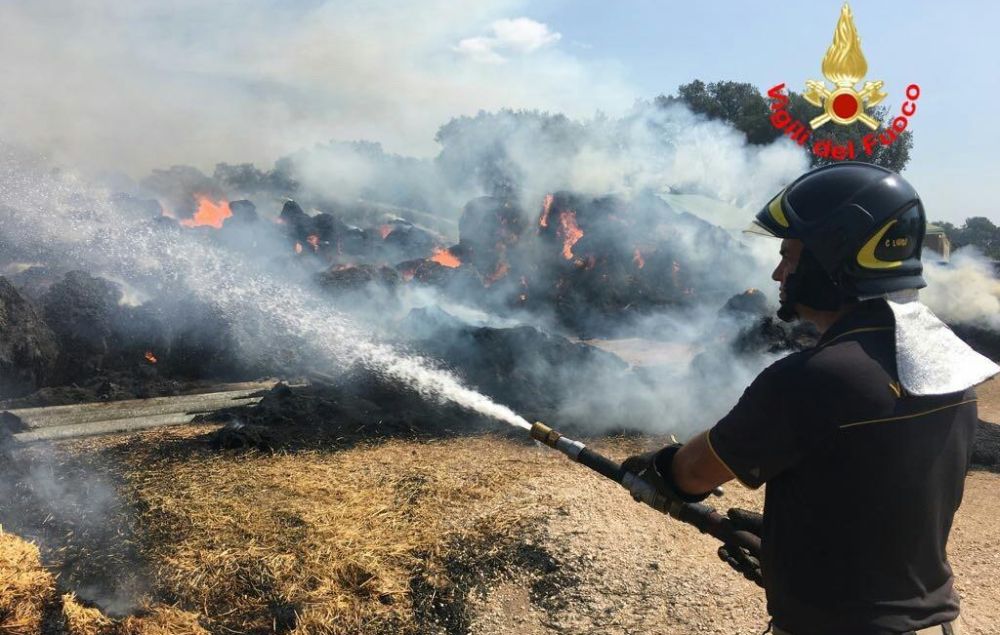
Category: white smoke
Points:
column 144, row 84
column 965, row 290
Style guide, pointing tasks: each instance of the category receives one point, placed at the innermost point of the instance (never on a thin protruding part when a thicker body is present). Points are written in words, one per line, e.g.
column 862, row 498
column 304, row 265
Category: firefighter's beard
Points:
column 787, row 311
column 809, row 286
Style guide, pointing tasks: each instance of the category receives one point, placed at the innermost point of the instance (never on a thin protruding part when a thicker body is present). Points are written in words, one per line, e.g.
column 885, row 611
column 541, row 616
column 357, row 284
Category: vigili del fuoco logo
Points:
column 844, row 65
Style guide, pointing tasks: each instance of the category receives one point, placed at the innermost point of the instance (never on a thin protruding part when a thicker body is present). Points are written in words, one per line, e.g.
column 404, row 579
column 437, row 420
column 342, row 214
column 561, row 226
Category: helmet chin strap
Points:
column 810, row 286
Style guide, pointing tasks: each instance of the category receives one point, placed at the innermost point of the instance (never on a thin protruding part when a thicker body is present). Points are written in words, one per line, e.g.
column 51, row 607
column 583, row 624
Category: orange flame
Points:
column 313, row 241
column 208, row 213
column 638, row 259
column 498, row 273
column 385, row 230
column 444, row 257
column 543, row 220
column 570, row 231
column 298, row 248
column 150, row 357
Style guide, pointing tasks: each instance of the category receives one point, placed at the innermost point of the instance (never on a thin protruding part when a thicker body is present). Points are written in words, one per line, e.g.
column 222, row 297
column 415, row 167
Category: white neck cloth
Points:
column 930, row 358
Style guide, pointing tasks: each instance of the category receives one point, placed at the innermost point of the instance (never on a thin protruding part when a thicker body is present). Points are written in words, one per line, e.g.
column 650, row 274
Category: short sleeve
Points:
column 774, row 424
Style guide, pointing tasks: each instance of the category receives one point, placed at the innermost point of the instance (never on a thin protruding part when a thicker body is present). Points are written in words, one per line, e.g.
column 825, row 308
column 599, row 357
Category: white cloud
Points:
column 520, row 36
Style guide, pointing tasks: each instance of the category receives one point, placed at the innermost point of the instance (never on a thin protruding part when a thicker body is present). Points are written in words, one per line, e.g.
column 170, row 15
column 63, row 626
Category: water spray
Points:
column 703, row 517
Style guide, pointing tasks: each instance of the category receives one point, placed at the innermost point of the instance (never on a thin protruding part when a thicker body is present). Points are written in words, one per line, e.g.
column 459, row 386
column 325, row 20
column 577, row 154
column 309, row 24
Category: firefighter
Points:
column 864, row 440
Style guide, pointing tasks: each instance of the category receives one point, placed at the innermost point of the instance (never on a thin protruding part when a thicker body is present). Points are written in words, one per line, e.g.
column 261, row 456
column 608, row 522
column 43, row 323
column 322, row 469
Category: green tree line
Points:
column 978, row 231
column 749, row 111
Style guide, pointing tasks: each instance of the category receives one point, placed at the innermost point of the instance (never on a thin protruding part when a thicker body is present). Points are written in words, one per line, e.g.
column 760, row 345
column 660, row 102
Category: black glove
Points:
column 652, row 479
column 742, row 559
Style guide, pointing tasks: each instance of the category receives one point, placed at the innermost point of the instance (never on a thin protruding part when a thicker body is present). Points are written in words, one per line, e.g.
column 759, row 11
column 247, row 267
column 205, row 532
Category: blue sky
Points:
column 150, row 83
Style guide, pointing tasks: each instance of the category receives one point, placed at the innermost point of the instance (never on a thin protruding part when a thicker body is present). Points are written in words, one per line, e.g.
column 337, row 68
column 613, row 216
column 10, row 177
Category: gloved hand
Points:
column 652, row 479
column 740, row 558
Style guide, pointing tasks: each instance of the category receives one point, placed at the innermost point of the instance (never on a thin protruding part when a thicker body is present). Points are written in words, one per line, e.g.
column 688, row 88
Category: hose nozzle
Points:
column 544, row 434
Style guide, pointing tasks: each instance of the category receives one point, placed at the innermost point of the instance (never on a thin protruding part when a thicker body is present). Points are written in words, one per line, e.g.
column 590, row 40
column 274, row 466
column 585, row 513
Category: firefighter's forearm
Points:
column 696, row 469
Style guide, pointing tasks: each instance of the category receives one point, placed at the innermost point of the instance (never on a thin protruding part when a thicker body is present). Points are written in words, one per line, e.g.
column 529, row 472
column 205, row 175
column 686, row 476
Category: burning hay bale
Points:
column 28, row 348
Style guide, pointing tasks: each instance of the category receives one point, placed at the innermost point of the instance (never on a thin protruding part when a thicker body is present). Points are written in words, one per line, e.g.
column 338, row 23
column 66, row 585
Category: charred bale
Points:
column 81, row 310
column 751, row 303
column 402, row 240
column 244, row 212
column 361, row 287
column 986, row 449
column 28, row 348
column 984, row 340
column 357, row 405
column 536, row 373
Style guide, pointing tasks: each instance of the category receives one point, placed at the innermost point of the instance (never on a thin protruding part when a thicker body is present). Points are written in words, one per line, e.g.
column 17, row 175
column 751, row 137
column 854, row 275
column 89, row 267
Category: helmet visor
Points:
column 758, row 229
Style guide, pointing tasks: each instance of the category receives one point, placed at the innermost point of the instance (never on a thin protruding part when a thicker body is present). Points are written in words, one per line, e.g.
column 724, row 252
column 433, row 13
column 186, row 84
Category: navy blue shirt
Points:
column 863, row 481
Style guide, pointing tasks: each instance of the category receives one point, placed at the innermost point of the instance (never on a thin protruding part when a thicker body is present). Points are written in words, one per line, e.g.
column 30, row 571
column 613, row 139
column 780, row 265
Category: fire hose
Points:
column 704, row 518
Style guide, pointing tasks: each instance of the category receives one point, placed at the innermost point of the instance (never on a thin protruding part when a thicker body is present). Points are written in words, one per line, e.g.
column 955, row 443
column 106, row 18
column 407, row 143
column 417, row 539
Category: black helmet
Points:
column 863, row 224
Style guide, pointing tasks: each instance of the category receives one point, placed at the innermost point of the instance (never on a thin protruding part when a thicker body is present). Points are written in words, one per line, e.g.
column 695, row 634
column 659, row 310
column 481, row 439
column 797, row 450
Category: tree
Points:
column 894, row 156
column 977, row 231
column 743, row 106
column 740, row 104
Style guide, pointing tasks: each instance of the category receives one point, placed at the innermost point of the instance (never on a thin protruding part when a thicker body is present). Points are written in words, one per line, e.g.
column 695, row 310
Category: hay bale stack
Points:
column 25, row 587
column 82, row 620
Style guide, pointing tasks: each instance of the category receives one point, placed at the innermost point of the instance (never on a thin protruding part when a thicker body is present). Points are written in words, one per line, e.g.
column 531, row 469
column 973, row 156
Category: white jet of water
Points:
column 70, row 222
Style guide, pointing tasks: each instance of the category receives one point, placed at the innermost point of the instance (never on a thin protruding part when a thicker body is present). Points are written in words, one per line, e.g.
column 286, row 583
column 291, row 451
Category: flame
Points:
column 313, row 241
column 444, row 257
column 637, row 258
column 570, row 231
column 150, row 357
column 498, row 273
column 385, row 230
column 208, row 213
column 844, row 64
column 543, row 220
column 298, row 247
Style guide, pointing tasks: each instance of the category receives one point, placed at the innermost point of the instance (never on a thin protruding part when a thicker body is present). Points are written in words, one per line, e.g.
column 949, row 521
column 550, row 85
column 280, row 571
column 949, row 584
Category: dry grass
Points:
column 30, row 604
column 378, row 538
column 320, row 542
column 387, row 537
column 25, row 586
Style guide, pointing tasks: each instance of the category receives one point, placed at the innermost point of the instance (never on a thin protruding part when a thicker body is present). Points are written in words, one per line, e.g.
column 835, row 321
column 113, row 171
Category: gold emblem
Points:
column 844, row 64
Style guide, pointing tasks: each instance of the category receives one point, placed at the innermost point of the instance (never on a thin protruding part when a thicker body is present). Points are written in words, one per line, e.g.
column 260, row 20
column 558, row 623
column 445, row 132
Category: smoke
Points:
column 145, row 84
column 74, row 513
column 966, row 290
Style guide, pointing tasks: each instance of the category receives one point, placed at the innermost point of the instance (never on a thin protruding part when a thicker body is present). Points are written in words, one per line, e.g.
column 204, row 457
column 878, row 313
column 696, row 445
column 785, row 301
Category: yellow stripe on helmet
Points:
column 867, row 257
column 774, row 207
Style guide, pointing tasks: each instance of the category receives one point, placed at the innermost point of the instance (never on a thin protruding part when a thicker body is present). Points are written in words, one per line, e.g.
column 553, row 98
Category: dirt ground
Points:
column 989, row 400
